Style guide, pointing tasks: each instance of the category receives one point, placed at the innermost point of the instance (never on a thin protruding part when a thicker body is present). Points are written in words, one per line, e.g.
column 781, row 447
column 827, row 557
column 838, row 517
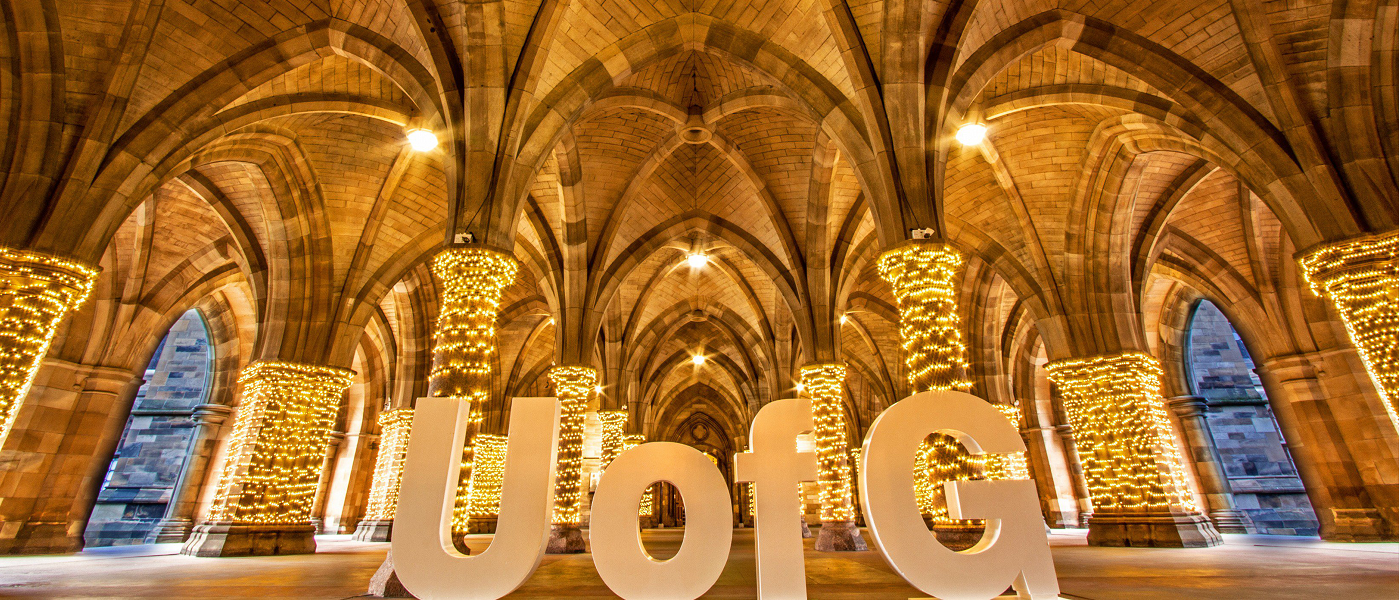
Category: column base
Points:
column 38, row 537
column 170, row 531
column 231, row 539
column 840, row 536
column 374, row 530
column 385, row 583
column 565, row 539
column 1230, row 521
column 1358, row 525
column 1153, row 530
column 481, row 525
column 958, row 537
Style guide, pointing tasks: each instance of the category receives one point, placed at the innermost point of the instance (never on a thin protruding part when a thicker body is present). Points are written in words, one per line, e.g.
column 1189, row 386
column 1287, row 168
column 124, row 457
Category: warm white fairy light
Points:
column 1122, row 432
column 614, row 428
column 823, row 383
column 646, row 508
column 394, row 426
column 488, row 471
column 1360, row 276
column 1013, row 465
column 572, row 385
column 278, row 443
column 36, row 292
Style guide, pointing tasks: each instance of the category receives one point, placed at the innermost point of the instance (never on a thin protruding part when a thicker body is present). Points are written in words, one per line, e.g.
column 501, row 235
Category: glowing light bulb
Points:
column 801, row 387
column 697, row 261
column 971, row 134
column 843, row 319
column 422, row 140
column 698, row 359
column 597, row 389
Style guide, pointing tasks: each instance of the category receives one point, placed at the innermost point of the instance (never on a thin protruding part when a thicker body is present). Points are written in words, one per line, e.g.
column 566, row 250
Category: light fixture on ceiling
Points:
column 597, row 389
column 697, row 260
column 422, row 140
column 843, row 319
column 698, row 360
column 971, row 134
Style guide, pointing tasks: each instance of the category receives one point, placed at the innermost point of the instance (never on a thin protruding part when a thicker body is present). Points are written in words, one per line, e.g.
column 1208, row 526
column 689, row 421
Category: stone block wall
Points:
column 1260, row 470
column 155, row 444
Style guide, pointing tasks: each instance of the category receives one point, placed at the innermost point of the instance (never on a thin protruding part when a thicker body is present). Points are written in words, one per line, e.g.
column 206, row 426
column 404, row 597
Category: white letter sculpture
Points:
column 426, row 561
column 1013, row 551
column 618, row 554
column 776, row 468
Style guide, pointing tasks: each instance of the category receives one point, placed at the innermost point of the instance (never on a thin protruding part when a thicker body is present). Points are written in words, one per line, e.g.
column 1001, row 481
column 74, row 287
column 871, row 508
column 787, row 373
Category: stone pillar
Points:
column 572, row 384
column 1344, row 455
column 36, row 292
column 1211, row 474
column 333, row 442
column 268, row 484
column 377, row 526
column 175, row 527
column 1360, row 276
column 924, row 276
column 1135, row 475
column 646, row 511
column 1076, row 470
column 57, row 454
column 823, row 384
column 614, row 427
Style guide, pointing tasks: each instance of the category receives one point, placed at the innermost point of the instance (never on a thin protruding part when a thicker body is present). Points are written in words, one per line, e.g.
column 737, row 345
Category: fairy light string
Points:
column 278, row 443
column 488, row 471
column 473, row 280
column 1122, row 432
column 37, row 291
column 1360, row 276
column 646, row 508
column 572, row 385
column 823, row 384
column 394, row 426
column 614, row 425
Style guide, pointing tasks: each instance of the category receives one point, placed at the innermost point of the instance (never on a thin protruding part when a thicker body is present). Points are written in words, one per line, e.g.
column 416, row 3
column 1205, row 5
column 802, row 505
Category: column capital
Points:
column 213, row 414
column 1188, row 406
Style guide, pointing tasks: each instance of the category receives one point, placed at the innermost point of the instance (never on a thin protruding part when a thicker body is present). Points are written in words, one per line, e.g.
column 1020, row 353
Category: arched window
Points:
column 1252, row 450
column 155, row 444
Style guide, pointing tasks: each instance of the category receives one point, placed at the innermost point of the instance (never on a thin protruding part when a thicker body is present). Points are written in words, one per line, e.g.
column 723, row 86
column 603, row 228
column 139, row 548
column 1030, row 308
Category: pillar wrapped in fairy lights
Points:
column 473, row 279
column 614, row 427
column 279, row 442
column 1008, row 466
column 572, row 385
column 488, row 471
column 383, row 501
column 1360, row 276
column 36, row 292
column 822, row 383
column 1123, row 433
column 924, row 276
column 394, row 426
column 646, row 509
column 1136, row 478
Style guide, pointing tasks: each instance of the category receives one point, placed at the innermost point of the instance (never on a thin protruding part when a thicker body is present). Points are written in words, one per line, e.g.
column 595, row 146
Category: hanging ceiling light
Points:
column 422, row 140
column 697, row 260
column 698, row 360
column 971, row 134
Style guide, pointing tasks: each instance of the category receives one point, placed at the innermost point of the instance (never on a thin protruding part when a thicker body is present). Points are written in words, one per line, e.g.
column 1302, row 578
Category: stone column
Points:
column 268, row 484
column 175, row 527
column 323, row 482
column 1343, row 454
column 924, row 276
column 1360, row 276
column 1135, row 475
column 572, row 384
column 36, row 292
column 377, row 526
column 488, row 471
column 823, row 384
column 614, row 428
column 1076, row 470
column 1211, row 474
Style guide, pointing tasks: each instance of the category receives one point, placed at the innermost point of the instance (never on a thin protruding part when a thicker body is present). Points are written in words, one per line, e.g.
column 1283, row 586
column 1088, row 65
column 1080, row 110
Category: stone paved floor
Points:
column 1275, row 568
